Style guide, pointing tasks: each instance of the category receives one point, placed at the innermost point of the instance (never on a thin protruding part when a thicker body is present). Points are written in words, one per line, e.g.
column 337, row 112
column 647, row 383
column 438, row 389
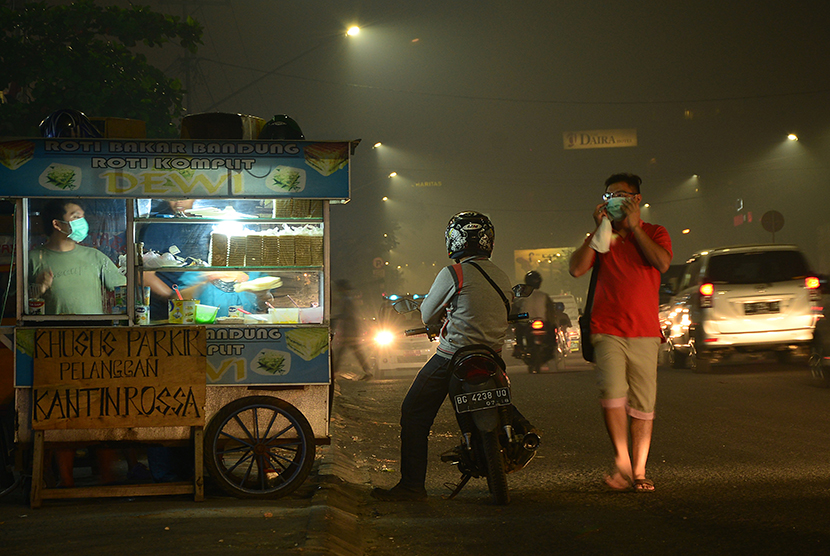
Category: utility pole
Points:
column 187, row 62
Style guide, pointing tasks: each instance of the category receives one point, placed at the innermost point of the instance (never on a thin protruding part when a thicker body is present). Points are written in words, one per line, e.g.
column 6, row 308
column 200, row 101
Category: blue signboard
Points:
column 248, row 355
column 174, row 168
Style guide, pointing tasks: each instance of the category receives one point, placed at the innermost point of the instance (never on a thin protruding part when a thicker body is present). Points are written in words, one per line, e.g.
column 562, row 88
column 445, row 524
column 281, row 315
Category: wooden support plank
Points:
column 37, row 471
column 198, row 464
column 118, row 491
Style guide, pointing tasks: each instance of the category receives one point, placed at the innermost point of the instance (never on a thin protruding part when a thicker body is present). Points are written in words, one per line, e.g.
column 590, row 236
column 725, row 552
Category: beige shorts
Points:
column 627, row 373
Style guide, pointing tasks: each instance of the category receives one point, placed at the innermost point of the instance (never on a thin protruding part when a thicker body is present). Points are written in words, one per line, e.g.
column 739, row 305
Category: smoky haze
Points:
column 471, row 100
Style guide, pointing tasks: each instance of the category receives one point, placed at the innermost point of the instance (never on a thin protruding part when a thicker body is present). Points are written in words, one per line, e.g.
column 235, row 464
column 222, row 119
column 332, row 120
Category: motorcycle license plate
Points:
column 486, row 399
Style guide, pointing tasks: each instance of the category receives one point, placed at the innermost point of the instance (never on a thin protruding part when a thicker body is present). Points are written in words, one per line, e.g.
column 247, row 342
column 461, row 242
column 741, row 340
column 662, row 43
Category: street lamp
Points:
column 353, row 30
column 792, row 137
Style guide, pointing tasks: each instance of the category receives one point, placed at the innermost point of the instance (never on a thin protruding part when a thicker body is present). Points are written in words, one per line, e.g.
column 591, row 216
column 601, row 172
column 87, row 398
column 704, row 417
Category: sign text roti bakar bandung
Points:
column 111, row 377
column 161, row 168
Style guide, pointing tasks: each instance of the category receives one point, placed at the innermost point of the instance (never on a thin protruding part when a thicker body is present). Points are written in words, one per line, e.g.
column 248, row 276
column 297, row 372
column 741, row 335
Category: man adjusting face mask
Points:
column 614, row 208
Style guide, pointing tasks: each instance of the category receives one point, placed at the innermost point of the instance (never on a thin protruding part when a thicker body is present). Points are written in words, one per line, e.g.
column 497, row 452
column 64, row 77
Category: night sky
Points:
column 471, row 100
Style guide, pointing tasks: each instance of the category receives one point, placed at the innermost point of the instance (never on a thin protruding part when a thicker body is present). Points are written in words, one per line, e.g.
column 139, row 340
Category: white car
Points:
column 741, row 299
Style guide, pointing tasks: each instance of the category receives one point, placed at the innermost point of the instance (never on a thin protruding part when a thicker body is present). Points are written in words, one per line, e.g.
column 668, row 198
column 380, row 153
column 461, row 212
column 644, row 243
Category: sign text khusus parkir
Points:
column 87, row 378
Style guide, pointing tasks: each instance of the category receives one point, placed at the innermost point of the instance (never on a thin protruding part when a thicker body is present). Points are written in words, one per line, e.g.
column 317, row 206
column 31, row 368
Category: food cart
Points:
column 248, row 389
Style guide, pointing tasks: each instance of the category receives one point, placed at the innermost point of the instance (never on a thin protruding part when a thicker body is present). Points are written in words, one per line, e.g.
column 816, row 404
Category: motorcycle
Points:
column 495, row 438
column 536, row 345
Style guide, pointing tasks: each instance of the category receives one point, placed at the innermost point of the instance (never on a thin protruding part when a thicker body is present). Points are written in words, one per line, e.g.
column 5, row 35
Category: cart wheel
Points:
column 259, row 447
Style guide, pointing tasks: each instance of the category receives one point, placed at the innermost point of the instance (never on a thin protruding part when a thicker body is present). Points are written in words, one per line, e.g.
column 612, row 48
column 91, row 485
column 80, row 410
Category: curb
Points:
column 333, row 527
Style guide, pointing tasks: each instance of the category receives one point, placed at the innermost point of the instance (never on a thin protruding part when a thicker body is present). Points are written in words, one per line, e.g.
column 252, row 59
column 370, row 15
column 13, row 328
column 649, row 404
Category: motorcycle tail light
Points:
column 475, row 369
column 706, row 291
column 537, row 325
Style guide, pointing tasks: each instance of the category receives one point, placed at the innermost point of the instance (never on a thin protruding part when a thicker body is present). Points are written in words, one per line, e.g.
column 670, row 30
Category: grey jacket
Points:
column 475, row 312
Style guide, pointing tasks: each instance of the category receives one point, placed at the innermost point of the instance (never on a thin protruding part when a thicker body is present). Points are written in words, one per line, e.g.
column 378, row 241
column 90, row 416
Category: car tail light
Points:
column 706, row 291
column 537, row 325
column 814, row 285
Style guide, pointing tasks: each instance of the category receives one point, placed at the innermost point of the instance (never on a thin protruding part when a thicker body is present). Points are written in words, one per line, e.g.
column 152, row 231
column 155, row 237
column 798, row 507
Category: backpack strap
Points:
column 457, row 276
column 498, row 289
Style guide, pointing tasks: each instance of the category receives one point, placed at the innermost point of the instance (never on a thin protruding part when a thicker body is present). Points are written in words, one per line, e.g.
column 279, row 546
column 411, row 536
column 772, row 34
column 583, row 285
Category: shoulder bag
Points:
column 585, row 318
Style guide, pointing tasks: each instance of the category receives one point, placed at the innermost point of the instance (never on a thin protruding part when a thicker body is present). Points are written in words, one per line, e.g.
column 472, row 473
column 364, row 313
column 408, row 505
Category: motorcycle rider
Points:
column 475, row 314
column 538, row 306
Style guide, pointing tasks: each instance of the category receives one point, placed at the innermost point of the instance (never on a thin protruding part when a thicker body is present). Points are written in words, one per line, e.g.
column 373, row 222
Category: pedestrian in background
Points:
column 348, row 331
column 625, row 328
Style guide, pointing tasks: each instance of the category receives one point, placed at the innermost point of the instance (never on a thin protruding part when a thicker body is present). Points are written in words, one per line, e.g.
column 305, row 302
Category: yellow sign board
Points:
column 94, row 378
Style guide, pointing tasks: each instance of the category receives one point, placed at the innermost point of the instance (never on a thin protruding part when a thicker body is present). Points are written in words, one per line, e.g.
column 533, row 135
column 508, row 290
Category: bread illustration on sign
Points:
column 14, row 154
column 308, row 343
column 285, row 179
column 271, row 362
column 327, row 158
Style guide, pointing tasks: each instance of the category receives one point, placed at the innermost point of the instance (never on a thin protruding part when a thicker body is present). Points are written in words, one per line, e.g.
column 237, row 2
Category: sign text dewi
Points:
column 91, row 378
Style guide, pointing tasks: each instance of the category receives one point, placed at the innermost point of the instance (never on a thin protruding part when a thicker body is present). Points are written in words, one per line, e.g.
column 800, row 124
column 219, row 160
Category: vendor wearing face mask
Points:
column 69, row 276
column 625, row 328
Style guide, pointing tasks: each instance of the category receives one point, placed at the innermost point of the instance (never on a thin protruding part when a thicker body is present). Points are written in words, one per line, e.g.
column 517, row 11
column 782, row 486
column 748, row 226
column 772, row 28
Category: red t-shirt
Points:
column 626, row 300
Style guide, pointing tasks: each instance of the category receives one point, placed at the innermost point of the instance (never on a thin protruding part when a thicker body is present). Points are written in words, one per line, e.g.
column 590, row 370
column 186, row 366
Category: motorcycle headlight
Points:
column 384, row 338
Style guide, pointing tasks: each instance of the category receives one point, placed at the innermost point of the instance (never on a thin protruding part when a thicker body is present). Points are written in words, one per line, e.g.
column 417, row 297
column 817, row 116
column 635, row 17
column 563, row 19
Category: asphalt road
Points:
column 740, row 458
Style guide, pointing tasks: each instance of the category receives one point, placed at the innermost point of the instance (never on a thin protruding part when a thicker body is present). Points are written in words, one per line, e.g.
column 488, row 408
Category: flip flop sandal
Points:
column 643, row 485
column 609, row 483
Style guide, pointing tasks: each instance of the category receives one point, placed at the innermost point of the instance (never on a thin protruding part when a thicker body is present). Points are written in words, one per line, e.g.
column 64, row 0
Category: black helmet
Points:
column 559, row 306
column 68, row 123
column 533, row 278
column 469, row 234
column 282, row 128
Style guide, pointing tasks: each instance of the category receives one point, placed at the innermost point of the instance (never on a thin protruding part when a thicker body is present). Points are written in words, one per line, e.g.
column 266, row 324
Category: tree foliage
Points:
column 83, row 56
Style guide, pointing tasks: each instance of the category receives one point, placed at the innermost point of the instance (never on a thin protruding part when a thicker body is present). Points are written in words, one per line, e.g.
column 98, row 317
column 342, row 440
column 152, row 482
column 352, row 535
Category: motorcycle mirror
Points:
column 405, row 306
column 523, row 290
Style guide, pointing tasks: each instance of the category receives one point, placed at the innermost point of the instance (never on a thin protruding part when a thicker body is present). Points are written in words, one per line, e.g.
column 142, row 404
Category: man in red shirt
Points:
column 625, row 328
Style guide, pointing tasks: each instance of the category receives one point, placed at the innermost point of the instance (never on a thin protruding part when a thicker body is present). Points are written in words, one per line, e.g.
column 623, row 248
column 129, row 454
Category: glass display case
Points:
column 254, row 262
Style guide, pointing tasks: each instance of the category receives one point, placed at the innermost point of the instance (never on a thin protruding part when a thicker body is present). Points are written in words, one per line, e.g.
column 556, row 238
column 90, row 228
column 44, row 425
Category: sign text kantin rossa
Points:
column 86, row 378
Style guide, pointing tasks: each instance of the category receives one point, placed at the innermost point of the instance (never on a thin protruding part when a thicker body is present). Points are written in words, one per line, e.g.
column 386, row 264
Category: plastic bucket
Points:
column 205, row 314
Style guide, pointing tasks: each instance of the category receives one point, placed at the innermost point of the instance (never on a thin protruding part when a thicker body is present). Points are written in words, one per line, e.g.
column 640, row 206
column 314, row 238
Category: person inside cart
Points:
column 210, row 288
column 68, row 276
column 71, row 278
column 169, row 464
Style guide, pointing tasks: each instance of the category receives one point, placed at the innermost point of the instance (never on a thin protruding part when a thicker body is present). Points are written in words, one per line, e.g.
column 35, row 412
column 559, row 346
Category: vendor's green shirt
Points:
column 79, row 276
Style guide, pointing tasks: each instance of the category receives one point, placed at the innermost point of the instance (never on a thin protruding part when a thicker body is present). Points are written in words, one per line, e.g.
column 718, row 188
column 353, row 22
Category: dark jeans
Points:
column 418, row 411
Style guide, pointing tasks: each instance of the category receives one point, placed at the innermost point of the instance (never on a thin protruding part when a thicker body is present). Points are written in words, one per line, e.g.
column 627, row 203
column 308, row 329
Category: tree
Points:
column 83, row 56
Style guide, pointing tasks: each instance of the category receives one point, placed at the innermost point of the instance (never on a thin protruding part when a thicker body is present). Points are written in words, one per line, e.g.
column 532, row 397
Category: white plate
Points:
column 286, row 366
column 71, row 177
column 281, row 175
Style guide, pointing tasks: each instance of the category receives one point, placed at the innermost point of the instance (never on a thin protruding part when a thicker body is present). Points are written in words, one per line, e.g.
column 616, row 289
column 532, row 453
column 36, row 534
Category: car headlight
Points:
column 384, row 338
